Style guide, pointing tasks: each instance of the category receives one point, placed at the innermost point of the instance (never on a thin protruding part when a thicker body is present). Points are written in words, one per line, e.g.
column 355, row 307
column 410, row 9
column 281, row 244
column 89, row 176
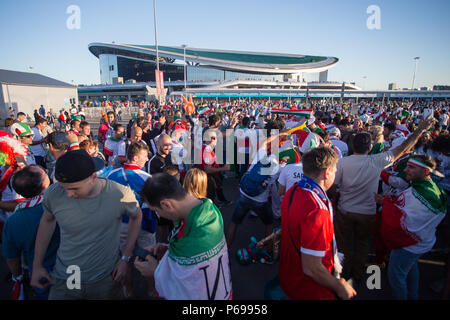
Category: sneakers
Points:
column 222, row 204
column 267, row 260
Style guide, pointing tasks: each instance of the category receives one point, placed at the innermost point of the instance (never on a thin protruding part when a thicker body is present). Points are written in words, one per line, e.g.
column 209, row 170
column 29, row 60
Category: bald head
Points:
column 137, row 134
column 164, row 144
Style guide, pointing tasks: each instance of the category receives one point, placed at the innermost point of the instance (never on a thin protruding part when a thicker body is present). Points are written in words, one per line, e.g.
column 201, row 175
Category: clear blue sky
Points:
column 34, row 33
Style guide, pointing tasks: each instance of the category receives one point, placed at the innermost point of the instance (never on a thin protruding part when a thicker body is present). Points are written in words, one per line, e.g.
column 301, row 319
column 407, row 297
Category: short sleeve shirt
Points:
column 358, row 177
column 208, row 158
column 90, row 228
column 290, row 175
column 309, row 223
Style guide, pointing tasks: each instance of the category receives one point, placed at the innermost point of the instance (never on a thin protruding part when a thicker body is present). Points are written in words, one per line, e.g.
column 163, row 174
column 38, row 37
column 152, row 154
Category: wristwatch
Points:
column 125, row 258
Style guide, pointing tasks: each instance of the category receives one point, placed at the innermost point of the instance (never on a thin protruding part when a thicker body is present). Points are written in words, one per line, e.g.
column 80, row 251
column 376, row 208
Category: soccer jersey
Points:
column 208, row 158
column 291, row 174
column 309, row 223
column 114, row 149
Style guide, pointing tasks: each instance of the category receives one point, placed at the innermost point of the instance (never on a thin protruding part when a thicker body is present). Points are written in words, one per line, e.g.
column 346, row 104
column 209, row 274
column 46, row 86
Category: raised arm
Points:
column 409, row 143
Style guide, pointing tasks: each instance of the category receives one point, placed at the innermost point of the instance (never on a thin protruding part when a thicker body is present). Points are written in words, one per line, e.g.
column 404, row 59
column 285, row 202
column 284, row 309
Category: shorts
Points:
column 144, row 238
column 244, row 205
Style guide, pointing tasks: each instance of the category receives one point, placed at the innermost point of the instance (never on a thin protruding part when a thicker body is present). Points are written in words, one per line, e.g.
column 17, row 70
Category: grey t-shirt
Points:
column 358, row 177
column 90, row 229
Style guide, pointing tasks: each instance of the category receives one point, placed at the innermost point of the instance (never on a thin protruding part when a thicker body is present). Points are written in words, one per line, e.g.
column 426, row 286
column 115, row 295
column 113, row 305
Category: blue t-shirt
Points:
column 19, row 235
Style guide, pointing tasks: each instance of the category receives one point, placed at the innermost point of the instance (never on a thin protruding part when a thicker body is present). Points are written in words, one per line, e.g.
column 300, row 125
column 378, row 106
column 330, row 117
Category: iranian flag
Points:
column 411, row 218
column 293, row 111
column 306, row 140
column 204, row 110
column 196, row 266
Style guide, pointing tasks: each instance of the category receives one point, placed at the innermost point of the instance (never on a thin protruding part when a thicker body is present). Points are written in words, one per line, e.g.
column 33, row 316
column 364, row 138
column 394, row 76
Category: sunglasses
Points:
column 28, row 136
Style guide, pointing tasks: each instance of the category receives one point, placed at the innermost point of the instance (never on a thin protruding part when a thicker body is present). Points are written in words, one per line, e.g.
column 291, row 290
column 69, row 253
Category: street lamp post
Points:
column 415, row 70
column 184, row 56
column 156, row 43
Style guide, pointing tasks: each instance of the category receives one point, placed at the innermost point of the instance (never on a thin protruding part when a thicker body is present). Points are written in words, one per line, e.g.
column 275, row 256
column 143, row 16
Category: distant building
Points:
column 424, row 88
column 25, row 92
column 392, row 86
column 441, row 87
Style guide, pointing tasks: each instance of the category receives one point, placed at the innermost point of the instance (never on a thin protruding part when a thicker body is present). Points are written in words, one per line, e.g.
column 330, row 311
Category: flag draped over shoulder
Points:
column 196, row 267
column 412, row 216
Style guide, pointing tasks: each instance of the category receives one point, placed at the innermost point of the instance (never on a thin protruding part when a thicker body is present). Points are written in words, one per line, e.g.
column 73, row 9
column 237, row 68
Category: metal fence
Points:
column 95, row 112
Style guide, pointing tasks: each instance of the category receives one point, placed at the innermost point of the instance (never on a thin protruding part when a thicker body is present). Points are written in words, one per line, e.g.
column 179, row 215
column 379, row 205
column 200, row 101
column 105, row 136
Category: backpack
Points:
column 253, row 183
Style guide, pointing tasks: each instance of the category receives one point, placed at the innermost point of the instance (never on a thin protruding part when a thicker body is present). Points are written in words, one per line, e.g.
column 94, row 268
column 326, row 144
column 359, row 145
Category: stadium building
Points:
column 127, row 63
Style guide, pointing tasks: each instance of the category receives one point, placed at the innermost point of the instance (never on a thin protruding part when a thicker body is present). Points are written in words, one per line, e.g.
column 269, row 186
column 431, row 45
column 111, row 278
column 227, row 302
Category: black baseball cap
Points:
column 74, row 166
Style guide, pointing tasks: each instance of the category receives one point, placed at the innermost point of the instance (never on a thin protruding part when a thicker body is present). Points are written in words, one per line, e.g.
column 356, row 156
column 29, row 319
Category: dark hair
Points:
column 58, row 140
column 362, row 143
column 72, row 123
column 21, row 114
column 84, row 124
column 141, row 122
column 318, row 159
column 111, row 112
column 117, row 126
column 274, row 125
column 28, row 181
column 162, row 186
column 245, row 121
column 213, row 119
column 40, row 120
column 390, row 126
column 344, row 122
column 441, row 144
column 426, row 159
column 134, row 148
column 172, row 170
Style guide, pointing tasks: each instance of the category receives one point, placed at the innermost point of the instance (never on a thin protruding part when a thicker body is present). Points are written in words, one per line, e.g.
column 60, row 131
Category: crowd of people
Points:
column 343, row 179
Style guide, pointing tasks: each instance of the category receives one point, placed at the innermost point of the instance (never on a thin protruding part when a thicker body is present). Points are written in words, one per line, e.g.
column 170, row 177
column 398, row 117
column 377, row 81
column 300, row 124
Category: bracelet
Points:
column 18, row 278
column 125, row 258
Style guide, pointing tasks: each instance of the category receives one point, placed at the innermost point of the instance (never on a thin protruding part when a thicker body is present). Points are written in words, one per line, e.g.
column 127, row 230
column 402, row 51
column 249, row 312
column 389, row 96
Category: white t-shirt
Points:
column 341, row 145
column 291, row 174
column 38, row 150
column 358, row 177
column 444, row 119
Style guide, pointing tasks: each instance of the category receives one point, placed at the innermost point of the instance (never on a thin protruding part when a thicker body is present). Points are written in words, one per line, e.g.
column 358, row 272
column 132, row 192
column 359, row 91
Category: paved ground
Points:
column 249, row 281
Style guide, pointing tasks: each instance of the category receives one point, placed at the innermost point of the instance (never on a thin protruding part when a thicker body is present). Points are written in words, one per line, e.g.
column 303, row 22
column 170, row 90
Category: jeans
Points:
column 403, row 274
column 244, row 205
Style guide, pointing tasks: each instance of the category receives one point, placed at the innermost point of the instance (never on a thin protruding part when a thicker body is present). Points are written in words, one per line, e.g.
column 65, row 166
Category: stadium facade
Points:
column 137, row 63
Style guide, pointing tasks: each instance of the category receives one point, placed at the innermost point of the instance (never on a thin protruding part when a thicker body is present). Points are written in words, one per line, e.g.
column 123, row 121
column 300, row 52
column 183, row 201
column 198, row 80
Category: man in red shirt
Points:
column 309, row 267
column 213, row 170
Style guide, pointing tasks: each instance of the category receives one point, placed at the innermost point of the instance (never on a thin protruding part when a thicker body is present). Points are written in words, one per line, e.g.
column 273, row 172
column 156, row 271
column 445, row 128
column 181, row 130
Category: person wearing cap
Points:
column 24, row 134
column 88, row 211
column 335, row 136
column 416, row 212
column 357, row 177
